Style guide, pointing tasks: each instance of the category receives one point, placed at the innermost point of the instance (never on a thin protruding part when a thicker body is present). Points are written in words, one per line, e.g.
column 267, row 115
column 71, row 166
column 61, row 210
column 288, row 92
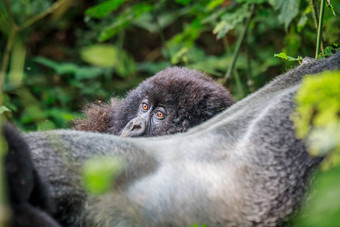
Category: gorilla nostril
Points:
column 136, row 127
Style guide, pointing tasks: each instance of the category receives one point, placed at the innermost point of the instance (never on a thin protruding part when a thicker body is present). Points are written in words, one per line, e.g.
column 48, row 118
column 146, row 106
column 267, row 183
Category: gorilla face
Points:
column 153, row 118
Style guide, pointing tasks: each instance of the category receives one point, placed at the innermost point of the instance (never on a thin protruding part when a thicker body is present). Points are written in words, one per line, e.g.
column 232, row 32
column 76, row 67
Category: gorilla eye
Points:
column 145, row 106
column 160, row 114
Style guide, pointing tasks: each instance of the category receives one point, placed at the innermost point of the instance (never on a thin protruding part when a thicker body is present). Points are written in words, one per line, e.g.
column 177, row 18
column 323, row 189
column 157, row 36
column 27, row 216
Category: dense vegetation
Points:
column 56, row 55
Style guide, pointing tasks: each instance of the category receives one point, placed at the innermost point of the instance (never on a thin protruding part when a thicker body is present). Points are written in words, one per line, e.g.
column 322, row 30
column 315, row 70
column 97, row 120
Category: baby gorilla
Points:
column 172, row 101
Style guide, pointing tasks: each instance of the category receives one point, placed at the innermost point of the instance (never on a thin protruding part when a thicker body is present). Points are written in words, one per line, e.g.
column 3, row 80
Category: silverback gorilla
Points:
column 172, row 101
column 243, row 167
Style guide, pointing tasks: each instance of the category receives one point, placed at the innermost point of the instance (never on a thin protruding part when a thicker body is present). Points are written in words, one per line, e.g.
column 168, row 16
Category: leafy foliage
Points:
column 318, row 109
column 98, row 174
column 317, row 119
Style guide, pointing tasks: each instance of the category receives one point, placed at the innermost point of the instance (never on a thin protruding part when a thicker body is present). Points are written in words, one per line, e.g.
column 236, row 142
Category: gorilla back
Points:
column 244, row 167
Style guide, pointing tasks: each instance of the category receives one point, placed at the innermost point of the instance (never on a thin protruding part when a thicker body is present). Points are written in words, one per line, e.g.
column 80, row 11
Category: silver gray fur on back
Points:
column 243, row 167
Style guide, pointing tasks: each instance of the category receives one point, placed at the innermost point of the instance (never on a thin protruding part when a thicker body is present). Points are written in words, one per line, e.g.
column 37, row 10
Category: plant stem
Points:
column 238, row 45
column 318, row 40
column 314, row 13
column 43, row 14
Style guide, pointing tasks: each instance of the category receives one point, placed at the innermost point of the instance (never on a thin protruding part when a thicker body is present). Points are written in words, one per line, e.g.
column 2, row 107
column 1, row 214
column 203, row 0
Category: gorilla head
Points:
column 172, row 101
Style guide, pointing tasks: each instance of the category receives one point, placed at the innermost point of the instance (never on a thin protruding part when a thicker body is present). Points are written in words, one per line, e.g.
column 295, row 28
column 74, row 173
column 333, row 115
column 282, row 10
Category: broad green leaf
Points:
column 4, row 109
column 103, row 9
column 103, row 55
column 106, row 55
column 99, row 174
column 288, row 10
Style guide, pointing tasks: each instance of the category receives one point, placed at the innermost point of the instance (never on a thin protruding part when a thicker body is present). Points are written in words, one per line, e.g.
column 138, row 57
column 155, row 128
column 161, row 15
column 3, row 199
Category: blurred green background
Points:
column 66, row 53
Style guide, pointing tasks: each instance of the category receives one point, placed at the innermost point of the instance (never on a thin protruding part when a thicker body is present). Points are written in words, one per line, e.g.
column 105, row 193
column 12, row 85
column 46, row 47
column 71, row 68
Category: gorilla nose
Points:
column 136, row 127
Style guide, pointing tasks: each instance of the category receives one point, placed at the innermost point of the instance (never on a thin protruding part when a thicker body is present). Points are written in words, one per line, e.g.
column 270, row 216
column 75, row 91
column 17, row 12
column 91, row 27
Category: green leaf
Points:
column 4, row 109
column 103, row 55
column 103, row 9
column 46, row 62
column 322, row 207
column 106, row 55
column 99, row 174
column 88, row 72
column 288, row 10
column 289, row 58
column 230, row 20
column 317, row 112
column 281, row 55
column 124, row 19
column 60, row 68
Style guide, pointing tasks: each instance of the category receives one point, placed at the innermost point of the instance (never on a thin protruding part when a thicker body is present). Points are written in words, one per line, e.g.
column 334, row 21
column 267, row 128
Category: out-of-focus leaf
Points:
column 180, row 56
column 99, row 173
column 302, row 22
column 88, row 72
column 288, row 10
column 103, row 9
column 213, row 4
column 46, row 62
column 45, row 125
column 304, row 18
column 105, row 55
column 60, row 68
column 4, row 109
column 147, row 20
column 152, row 67
column 16, row 72
column 100, row 54
column 230, row 20
column 323, row 140
column 124, row 19
column 323, row 207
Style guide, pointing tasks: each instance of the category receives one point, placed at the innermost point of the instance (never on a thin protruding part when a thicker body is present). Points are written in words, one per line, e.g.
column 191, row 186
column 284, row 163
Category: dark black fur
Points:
column 189, row 97
column 28, row 195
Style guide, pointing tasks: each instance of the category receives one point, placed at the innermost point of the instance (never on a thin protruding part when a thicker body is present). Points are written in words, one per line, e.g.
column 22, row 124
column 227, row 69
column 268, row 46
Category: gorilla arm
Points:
column 243, row 167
